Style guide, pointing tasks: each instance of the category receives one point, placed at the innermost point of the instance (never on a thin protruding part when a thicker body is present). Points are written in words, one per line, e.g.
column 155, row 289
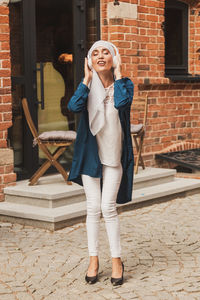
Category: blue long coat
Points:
column 86, row 159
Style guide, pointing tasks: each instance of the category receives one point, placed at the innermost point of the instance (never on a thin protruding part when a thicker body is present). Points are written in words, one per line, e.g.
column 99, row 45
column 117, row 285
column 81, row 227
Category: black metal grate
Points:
column 186, row 158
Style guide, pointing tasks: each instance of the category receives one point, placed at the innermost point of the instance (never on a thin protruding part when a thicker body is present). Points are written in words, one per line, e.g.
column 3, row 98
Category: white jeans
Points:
column 105, row 201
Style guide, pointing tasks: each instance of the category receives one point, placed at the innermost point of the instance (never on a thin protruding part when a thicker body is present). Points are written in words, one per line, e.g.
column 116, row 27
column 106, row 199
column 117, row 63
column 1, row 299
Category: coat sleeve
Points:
column 123, row 93
column 78, row 101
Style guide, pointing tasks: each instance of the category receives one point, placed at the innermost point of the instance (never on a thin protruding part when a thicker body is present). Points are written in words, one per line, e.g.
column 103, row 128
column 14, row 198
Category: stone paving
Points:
column 161, row 254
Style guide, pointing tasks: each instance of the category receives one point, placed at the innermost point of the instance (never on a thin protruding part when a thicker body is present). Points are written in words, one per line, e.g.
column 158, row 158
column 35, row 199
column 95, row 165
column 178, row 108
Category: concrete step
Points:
column 177, row 186
column 52, row 191
column 59, row 217
column 153, row 176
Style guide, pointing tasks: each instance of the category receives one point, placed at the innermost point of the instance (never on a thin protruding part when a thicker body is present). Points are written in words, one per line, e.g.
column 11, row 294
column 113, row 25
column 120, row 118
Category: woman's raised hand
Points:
column 117, row 69
column 88, row 73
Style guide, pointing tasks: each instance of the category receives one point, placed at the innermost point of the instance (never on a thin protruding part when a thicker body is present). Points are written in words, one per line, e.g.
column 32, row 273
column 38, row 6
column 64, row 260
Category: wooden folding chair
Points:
column 138, row 130
column 60, row 139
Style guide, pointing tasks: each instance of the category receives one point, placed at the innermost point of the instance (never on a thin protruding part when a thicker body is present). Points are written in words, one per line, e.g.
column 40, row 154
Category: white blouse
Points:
column 109, row 138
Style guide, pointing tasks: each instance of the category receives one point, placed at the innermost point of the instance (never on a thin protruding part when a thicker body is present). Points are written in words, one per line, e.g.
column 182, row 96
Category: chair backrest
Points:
column 140, row 108
column 29, row 118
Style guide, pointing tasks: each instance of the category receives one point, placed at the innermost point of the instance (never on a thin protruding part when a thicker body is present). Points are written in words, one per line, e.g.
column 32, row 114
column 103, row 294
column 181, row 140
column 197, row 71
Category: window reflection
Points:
column 92, row 18
column 176, row 37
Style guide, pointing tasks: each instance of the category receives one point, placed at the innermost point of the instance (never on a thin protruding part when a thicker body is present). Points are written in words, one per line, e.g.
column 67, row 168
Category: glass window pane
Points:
column 174, row 37
column 92, row 22
column 54, row 34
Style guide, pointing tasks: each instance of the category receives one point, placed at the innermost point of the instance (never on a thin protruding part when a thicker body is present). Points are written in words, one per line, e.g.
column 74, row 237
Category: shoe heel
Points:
column 92, row 279
column 118, row 281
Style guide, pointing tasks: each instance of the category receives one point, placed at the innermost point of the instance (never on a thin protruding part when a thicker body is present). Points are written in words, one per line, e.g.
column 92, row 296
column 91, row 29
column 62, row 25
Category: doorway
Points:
column 49, row 40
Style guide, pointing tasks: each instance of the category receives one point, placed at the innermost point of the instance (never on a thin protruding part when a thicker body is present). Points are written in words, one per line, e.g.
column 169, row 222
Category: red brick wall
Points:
column 194, row 42
column 124, row 34
column 6, row 163
column 140, row 41
column 173, row 116
column 5, row 92
column 174, row 108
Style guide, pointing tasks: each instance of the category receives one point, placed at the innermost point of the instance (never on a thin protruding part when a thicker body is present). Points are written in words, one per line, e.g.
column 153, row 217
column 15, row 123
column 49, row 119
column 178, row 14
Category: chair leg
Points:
column 137, row 165
column 44, row 167
column 58, row 166
column 51, row 160
column 39, row 172
column 137, row 159
column 141, row 158
column 136, row 143
column 139, row 152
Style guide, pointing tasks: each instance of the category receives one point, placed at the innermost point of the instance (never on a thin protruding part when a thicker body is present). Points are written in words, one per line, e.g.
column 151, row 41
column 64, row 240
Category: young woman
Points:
column 103, row 155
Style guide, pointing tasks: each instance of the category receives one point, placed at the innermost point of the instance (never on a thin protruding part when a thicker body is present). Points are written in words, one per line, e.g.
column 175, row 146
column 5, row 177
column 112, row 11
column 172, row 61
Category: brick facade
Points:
column 7, row 176
column 174, row 108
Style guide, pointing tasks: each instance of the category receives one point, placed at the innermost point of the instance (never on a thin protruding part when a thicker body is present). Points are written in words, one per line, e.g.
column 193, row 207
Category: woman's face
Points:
column 101, row 59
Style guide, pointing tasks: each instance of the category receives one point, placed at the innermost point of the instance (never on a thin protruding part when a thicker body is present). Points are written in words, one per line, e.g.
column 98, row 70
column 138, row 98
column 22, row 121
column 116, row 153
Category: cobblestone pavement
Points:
column 161, row 254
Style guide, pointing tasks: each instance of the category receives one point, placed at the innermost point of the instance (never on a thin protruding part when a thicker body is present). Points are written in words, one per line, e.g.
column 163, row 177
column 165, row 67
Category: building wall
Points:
column 7, row 176
column 174, row 116
column 174, row 108
column 194, row 39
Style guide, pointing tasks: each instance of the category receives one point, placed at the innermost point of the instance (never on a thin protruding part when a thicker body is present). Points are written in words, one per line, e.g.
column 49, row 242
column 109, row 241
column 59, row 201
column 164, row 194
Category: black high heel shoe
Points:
column 118, row 281
column 91, row 279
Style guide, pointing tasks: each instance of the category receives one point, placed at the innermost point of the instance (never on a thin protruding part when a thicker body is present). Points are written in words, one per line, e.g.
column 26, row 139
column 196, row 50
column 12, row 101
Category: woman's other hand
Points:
column 117, row 69
column 88, row 73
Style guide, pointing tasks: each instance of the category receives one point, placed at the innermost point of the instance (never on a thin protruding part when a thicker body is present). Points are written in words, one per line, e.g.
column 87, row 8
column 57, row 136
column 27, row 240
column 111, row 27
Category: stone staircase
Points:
column 52, row 204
